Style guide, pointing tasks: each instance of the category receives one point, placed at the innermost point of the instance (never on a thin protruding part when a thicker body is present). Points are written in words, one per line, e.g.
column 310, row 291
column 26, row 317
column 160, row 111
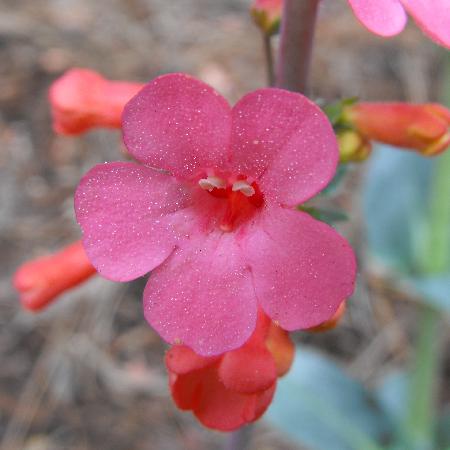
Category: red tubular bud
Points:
column 267, row 15
column 421, row 127
column 82, row 99
column 42, row 280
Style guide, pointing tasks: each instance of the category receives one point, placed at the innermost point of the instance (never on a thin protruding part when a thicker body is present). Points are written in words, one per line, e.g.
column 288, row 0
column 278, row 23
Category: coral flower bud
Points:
column 235, row 388
column 82, row 99
column 421, row 127
column 267, row 15
column 331, row 323
column 353, row 147
column 41, row 280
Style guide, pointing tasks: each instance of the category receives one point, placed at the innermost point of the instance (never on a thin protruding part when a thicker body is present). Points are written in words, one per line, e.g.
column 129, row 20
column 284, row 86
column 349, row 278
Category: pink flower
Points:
column 211, row 211
column 388, row 17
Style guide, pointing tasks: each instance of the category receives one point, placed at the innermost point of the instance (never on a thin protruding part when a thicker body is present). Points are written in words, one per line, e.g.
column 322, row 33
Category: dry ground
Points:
column 87, row 373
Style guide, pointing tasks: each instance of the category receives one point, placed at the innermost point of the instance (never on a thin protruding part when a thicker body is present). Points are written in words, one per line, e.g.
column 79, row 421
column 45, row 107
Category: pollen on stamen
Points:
column 244, row 187
column 209, row 183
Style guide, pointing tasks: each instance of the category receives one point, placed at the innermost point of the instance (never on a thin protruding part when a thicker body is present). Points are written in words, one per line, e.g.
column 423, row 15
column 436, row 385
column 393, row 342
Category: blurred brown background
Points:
column 88, row 373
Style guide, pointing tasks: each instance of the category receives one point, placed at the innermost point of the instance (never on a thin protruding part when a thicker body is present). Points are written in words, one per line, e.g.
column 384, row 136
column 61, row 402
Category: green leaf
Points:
column 397, row 214
column 395, row 204
column 443, row 431
column 329, row 216
column 392, row 396
column 334, row 110
column 434, row 290
column 319, row 405
column 336, row 182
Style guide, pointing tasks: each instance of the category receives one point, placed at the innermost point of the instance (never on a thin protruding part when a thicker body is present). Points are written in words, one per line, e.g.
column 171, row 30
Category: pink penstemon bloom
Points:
column 210, row 211
column 388, row 17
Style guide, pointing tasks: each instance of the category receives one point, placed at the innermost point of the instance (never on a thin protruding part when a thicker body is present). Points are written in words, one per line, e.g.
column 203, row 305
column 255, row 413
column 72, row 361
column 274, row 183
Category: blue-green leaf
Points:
column 319, row 405
column 395, row 204
column 435, row 290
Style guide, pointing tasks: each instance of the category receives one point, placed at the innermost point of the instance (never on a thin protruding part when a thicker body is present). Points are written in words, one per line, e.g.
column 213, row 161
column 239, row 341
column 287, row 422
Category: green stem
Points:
column 239, row 439
column 426, row 370
column 268, row 53
column 422, row 387
column 438, row 258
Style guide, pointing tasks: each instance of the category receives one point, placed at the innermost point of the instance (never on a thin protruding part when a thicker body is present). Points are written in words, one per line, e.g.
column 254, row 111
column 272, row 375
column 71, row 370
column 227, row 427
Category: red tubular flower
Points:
column 267, row 15
column 422, row 127
column 82, row 99
column 41, row 280
column 231, row 390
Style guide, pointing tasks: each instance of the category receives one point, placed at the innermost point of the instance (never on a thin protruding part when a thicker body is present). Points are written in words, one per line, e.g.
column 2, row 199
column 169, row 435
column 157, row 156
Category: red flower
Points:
column 41, row 280
column 231, row 390
column 82, row 99
column 423, row 127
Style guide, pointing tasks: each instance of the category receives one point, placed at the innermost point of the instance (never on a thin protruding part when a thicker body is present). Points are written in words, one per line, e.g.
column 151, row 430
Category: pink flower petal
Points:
column 302, row 268
column 178, row 123
column 128, row 214
column 382, row 17
column 202, row 296
column 286, row 142
column 433, row 17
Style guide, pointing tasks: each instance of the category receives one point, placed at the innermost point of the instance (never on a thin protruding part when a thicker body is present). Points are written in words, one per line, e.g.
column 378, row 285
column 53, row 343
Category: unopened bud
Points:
column 82, row 99
column 421, row 127
column 353, row 147
column 42, row 280
column 267, row 15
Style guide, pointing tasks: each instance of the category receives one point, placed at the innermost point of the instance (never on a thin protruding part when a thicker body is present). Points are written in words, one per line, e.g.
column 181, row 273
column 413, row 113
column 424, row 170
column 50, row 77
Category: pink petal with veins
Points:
column 382, row 17
column 302, row 268
column 131, row 217
column 284, row 141
column 433, row 17
column 179, row 124
column 203, row 296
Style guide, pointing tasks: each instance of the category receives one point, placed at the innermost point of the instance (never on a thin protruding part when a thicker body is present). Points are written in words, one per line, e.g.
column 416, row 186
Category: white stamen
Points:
column 244, row 187
column 208, row 184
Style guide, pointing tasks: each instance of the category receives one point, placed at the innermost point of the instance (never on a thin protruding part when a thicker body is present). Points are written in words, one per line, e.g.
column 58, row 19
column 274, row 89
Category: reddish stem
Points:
column 297, row 33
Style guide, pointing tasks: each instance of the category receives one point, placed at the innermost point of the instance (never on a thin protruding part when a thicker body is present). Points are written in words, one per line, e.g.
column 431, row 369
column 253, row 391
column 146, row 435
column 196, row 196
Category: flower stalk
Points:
column 297, row 34
column 420, row 421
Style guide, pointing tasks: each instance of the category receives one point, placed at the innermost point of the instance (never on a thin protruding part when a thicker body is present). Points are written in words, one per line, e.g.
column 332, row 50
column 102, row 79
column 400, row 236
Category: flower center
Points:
column 242, row 197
